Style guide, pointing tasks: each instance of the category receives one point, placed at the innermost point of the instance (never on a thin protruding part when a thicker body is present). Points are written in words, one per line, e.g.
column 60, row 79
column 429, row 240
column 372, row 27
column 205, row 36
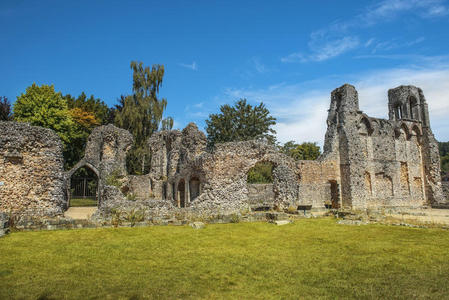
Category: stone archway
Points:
column 83, row 186
column 68, row 180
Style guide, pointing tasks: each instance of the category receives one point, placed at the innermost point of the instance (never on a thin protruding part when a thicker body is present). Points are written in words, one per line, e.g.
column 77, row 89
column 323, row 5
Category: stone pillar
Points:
column 168, row 191
column 186, row 191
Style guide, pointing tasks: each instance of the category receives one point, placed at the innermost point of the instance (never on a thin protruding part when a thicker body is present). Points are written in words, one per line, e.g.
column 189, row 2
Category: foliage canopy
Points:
column 444, row 154
column 304, row 151
column 240, row 122
column 5, row 109
column 141, row 113
column 42, row 106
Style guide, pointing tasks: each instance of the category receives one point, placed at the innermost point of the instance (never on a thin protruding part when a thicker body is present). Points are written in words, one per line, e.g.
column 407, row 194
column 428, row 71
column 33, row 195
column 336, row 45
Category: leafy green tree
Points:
column 444, row 154
column 261, row 173
column 42, row 106
column 240, row 122
column 304, row 151
column 5, row 109
column 141, row 113
column 86, row 113
column 91, row 105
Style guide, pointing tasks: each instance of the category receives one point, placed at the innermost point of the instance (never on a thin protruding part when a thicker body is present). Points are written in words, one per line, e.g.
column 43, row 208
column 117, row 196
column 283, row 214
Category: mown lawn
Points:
column 77, row 202
column 313, row 258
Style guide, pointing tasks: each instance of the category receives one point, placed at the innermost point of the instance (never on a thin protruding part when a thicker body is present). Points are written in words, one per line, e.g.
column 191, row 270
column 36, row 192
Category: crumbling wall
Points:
column 260, row 195
column 105, row 155
column 31, row 171
column 225, row 175
column 445, row 186
column 319, row 183
column 384, row 162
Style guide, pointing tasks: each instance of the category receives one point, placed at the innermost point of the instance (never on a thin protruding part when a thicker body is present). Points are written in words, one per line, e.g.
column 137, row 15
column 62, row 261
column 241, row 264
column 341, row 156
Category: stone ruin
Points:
column 367, row 163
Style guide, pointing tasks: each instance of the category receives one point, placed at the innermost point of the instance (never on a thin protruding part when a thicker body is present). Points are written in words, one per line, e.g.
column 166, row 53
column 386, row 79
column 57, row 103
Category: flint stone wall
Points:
column 445, row 186
column 384, row 163
column 225, row 174
column 260, row 195
column 31, row 171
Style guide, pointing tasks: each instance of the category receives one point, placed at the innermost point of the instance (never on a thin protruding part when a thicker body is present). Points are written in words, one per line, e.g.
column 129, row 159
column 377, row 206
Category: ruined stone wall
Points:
column 105, row 155
column 445, row 186
column 260, row 195
column 384, row 162
column 31, row 171
column 105, row 152
column 225, row 174
column 319, row 183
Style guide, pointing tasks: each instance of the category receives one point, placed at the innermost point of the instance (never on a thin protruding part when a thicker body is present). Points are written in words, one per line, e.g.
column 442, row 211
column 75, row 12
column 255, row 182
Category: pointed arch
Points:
column 365, row 122
column 402, row 126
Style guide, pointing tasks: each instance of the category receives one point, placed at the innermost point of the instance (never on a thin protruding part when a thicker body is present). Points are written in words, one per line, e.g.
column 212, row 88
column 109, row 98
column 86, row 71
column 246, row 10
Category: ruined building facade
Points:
column 367, row 163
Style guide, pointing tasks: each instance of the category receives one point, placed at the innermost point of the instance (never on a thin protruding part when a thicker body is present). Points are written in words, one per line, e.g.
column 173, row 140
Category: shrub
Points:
column 114, row 178
column 116, row 217
column 134, row 216
column 235, row 218
column 131, row 197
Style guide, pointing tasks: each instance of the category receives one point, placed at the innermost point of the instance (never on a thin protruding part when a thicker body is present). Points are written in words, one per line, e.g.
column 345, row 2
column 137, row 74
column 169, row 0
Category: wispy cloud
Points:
column 324, row 51
column 193, row 66
column 390, row 9
column 395, row 44
column 341, row 36
column 258, row 66
column 301, row 109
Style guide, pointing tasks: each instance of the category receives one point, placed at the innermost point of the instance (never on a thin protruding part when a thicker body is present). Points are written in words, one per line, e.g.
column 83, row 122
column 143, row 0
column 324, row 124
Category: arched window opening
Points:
column 261, row 195
column 414, row 110
column 195, row 188
column 262, row 172
column 398, row 111
column 83, row 188
column 181, row 199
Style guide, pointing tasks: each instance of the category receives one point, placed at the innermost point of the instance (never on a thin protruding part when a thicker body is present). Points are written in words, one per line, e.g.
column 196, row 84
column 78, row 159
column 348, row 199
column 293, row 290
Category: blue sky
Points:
column 288, row 54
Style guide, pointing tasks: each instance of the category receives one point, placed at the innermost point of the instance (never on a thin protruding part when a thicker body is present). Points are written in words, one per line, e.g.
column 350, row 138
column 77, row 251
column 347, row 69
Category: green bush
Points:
column 134, row 216
column 261, row 173
column 114, row 178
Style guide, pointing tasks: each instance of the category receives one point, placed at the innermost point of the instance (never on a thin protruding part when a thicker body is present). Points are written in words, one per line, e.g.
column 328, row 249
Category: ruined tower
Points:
column 384, row 163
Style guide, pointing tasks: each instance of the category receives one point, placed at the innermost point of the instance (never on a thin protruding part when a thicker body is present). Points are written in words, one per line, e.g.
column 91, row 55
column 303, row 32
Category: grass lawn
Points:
column 76, row 202
column 313, row 258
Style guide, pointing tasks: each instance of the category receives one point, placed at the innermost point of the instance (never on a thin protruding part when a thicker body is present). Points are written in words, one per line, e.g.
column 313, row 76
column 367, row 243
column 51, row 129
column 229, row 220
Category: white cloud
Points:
column 340, row 36
column 395, row 43
column 324, row 50
column 301, row 109
column 260, row 68
column 193, row 66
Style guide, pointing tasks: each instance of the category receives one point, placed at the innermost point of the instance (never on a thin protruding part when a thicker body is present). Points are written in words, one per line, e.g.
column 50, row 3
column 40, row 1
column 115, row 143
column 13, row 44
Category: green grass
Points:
column 309, row 259
column 76, row 202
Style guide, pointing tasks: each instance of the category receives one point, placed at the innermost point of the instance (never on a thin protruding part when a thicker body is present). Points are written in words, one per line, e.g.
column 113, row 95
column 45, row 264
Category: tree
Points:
column 304, row 151
column 42, row 106
column 444, row 154
column 240, row 123
column 84, row 122
column 5, row 109
column 92, row 105
column 141, row 113
column 262, row 172
column 86, row 113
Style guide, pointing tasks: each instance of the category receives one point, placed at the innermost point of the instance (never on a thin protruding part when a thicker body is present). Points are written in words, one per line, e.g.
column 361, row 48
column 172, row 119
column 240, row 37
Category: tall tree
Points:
column 91, row 105
column 5, row 109
column 86, row 113
column 42, row 106
column 240, row 122
column 141, row 113
column 444, row 154
column 304, row 151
